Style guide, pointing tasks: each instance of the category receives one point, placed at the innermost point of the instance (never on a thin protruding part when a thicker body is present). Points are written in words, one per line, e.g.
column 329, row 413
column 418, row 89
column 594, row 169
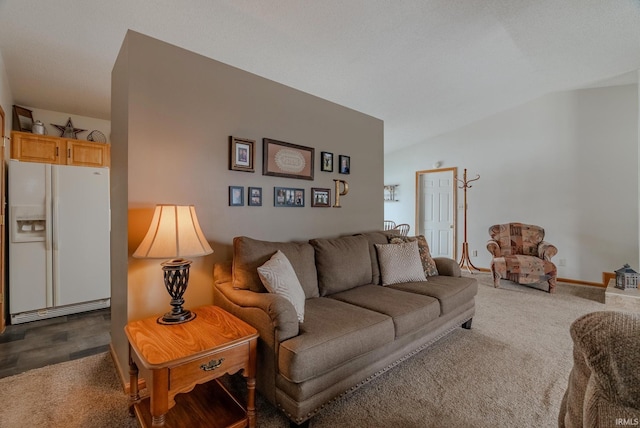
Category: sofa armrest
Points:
column 447, row 267
column 494, row 248
column 222, row 272
column 281, row 313
column 546, row 250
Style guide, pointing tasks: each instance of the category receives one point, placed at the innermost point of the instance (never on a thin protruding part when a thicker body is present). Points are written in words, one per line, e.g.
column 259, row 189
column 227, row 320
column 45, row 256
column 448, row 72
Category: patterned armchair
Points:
column 521, row 255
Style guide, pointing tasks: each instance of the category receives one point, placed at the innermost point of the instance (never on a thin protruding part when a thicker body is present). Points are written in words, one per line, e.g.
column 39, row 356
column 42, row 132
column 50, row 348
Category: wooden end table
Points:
column 175, row 359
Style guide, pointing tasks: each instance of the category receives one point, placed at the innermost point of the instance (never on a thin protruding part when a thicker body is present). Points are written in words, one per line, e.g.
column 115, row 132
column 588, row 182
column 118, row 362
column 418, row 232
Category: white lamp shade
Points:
column 174, row 232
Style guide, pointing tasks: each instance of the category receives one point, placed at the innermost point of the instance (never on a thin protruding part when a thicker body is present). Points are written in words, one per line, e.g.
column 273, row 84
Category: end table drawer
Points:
column 209, row 367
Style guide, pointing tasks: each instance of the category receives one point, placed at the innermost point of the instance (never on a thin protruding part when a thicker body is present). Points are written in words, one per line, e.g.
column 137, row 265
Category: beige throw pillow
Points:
column 278, row 277
column 428, row 264
column 400, row 263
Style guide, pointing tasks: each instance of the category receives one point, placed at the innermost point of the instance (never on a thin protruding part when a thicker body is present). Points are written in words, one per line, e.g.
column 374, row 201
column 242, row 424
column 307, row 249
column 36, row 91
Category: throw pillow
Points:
column 400, row 263
column 428, row 264
column 278, row 277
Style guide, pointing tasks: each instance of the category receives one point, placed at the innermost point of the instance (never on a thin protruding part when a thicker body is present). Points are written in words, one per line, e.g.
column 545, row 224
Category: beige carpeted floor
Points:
column 509, row 370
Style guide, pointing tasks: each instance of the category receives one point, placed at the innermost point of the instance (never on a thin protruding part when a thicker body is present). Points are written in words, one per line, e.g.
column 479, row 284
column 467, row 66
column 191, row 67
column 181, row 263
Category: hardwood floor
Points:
column 41, row 343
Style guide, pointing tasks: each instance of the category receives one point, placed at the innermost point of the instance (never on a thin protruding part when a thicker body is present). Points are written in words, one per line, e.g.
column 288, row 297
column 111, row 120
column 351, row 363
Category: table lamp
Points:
column 174, row 233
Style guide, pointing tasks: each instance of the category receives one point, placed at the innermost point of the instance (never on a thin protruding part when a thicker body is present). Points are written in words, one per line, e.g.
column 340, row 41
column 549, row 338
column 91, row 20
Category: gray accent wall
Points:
column 172, row 114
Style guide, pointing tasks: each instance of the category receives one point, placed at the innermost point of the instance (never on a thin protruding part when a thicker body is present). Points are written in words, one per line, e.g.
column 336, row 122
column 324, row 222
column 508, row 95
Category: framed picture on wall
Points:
column 287, row 160
column 241, row 154
column 22, row 119
column 236, row 196
column 326, row 161
column 320, row 197
column 288, row 197
column 345, row 164
column 255, row 196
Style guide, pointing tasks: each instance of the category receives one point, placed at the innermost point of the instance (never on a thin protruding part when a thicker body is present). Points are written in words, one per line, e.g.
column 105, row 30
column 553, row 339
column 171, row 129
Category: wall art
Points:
column 236, row 196
column 287, row 160
column 326, row 161
column 345, row 164
column 390, row 192
column 241, row 154
column 255, row 196
column 68, row 130
column 320, row 197
column 288, row 197
column 22, row 119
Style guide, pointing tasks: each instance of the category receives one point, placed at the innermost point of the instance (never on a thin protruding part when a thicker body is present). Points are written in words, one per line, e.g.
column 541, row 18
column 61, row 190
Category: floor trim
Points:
column 123, row 379
column 605, row 279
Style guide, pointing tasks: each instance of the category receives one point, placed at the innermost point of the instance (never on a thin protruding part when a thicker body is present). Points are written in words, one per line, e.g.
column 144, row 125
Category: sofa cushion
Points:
column 428, row 264
column 278, row 277
column 376, row 237
column 249, row 254
column 333, row 333
column 342, row 263
column 452, row 293
column 409, row 311
column 400, row 263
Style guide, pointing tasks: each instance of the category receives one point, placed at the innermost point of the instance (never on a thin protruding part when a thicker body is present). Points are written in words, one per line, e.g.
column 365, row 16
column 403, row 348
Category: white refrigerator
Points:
column 59, row 227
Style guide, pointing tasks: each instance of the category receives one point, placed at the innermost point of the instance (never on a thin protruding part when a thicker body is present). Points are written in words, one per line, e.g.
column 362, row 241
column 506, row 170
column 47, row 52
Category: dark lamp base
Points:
column 170, row 318
column 176, row 279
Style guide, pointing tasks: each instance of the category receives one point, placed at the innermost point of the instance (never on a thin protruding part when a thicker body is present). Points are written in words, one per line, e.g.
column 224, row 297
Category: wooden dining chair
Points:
column 389, row 225
column 403, row 229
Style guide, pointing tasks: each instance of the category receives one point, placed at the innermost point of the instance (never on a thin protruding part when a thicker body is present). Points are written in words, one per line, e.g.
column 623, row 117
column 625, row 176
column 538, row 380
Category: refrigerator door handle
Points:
column 49, row 234
column 55, row 215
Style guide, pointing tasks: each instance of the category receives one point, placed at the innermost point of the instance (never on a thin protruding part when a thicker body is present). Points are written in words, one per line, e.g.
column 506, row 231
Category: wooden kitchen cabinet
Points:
column 29, row 147
column 87, row 153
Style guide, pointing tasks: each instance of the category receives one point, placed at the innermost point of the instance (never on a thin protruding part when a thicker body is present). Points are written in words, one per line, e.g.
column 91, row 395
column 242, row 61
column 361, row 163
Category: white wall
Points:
column 567, row 161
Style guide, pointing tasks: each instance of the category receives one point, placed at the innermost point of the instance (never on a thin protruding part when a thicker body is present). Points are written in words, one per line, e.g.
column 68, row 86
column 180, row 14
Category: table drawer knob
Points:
column 212, row 365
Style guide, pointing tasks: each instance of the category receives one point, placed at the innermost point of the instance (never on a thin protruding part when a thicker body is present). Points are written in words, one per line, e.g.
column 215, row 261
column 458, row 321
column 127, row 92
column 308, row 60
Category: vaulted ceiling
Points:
column 425, row 67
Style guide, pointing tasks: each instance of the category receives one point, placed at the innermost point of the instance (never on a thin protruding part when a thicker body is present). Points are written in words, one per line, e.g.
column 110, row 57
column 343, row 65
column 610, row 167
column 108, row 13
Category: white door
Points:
column 81, row 234
column 436, row 206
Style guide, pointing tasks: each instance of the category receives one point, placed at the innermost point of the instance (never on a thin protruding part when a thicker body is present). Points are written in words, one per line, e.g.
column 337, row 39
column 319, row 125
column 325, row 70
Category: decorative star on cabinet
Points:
column 68, row 131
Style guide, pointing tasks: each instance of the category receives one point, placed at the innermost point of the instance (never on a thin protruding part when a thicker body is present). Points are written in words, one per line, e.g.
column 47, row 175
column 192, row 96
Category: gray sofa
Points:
column 354, row 329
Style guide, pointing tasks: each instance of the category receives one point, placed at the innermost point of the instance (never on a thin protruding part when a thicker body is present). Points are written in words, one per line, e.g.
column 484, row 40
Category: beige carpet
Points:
column 81, row 393
column 509, row 370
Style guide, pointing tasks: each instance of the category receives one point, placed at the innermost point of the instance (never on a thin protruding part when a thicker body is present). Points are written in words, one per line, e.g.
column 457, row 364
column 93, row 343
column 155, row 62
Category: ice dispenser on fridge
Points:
column 29, row 223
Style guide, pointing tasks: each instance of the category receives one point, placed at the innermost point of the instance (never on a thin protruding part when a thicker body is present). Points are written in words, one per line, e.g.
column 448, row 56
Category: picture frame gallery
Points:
column 282, row 159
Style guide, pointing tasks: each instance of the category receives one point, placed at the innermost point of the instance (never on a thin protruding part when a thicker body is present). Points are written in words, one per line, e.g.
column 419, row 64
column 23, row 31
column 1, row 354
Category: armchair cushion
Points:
column 523, row 269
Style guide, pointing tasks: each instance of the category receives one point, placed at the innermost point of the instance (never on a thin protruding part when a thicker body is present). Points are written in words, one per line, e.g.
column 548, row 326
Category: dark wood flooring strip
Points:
column 41, row 343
